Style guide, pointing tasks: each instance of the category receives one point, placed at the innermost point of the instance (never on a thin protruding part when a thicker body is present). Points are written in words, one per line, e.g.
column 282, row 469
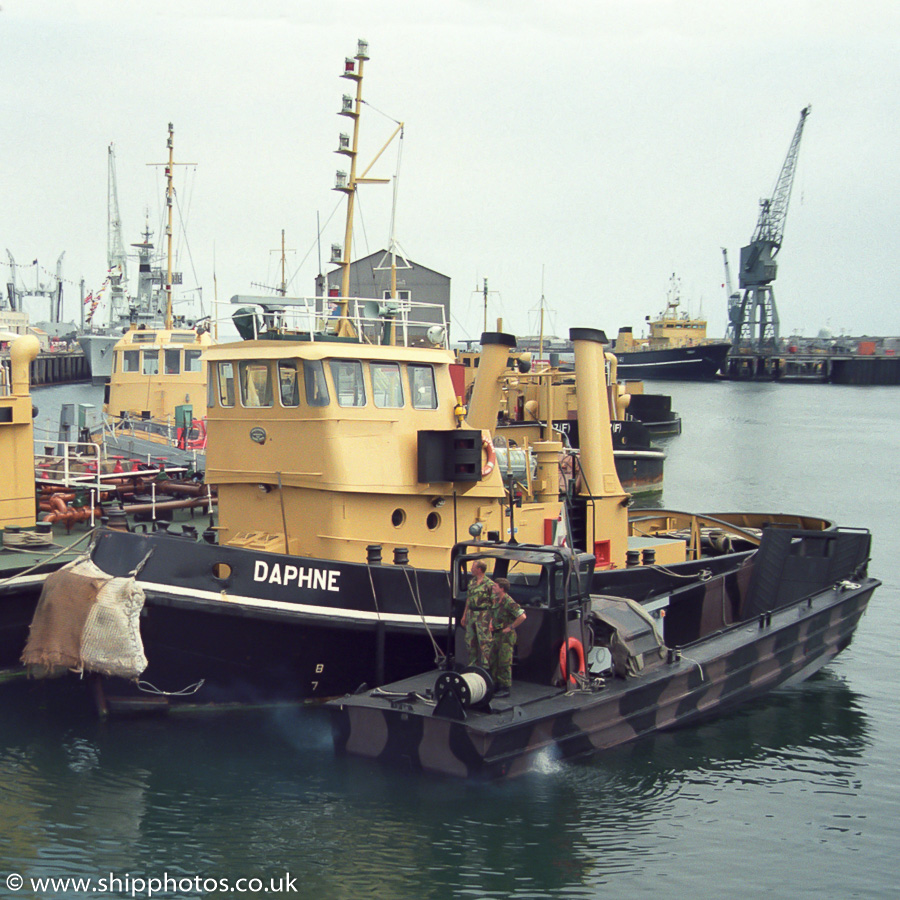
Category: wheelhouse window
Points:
column 347, row 375
column 172, row 361
column 422, row 386
column 151, row 362
column 192, row 361
column 314, row 379
column 288, row 383
column 256, row 384
column 226, row 383
column 387, row 386
column 131, row 360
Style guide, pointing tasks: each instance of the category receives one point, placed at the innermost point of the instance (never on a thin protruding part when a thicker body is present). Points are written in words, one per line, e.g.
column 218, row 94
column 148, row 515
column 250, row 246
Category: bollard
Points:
column 401, row 556
column 373, row 554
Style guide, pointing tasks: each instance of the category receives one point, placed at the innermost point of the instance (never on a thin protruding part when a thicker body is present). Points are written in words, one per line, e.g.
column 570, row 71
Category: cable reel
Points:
column 457, row 691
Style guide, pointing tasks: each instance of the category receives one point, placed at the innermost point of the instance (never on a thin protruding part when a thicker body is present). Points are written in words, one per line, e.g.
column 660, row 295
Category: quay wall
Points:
column 815, row 368
column 57, row 367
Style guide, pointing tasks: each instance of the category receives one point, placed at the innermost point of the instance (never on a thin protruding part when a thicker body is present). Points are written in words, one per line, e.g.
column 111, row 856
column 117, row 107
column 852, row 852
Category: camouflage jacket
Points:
column 480, row 596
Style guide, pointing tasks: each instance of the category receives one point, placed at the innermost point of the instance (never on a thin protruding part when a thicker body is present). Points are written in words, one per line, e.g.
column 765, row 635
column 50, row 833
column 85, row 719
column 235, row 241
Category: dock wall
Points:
column 815, row 368
column 58, row 367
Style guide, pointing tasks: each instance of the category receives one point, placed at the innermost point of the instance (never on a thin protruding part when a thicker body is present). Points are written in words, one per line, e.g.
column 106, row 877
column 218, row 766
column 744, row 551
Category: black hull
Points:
column 256, row 640
column 640, row 471
column 655, row 413
column 700, row 363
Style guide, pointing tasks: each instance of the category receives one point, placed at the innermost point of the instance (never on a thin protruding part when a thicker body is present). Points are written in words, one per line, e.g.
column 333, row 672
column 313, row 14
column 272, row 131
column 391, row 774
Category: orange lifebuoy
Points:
column 184, row 440
column 576, row 645
column 488, row 446
column 199, row 442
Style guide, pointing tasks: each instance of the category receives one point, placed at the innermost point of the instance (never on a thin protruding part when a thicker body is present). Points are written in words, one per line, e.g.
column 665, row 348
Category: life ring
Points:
column 488, row 446
column 183, row 438
column 567, row 645
column 199, row 442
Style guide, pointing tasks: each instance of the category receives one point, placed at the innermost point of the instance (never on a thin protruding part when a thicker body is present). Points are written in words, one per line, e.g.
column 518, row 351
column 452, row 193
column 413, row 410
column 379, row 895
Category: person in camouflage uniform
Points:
column 506, row 617
column 476, row 617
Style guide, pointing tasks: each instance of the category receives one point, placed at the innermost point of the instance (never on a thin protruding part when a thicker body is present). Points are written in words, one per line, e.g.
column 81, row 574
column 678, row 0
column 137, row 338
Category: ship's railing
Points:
column 86, row 465
column 387, row 321
column 77, row 475
column 162, row 430
column 160, row 434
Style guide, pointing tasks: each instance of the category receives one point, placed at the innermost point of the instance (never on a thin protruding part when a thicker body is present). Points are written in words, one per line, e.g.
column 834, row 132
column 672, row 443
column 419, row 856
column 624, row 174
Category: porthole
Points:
column 433, row 521
column 398, row 517
column 221, row 571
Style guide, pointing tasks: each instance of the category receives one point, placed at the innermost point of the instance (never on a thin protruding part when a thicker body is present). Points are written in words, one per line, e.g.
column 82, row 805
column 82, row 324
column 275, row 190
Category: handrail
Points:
column 320, row 316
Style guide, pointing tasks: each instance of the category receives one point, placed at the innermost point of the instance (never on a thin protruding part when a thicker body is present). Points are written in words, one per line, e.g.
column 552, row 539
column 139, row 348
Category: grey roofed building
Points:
column 370, row 278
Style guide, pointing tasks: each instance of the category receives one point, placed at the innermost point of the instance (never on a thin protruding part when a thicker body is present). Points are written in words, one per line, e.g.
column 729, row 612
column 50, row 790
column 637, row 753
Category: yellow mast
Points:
column 170, row 193
column 170, row 202
column 353, row 70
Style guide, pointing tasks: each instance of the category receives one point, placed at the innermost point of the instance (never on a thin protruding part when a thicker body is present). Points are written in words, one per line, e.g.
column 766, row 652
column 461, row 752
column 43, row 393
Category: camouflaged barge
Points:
column 593, row 672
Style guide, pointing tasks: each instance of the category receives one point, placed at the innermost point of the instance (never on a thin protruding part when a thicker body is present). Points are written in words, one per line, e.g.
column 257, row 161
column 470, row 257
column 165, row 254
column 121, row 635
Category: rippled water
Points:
column 794, row 796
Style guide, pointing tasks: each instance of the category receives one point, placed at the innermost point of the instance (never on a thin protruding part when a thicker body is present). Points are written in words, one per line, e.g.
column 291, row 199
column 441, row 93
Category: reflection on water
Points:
column 253, row 794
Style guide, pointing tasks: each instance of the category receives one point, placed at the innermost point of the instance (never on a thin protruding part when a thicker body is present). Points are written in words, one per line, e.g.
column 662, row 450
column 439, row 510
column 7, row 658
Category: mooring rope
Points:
column 49, row 559
column 417, row 600
column 148, row 688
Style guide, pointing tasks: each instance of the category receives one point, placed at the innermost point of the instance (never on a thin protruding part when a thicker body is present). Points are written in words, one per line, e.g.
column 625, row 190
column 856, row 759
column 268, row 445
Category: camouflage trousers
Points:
column 502, row 658
column 478, row 637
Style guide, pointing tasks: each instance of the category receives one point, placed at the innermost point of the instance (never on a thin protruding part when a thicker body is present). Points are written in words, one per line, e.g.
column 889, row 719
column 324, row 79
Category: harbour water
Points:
column 794, row 796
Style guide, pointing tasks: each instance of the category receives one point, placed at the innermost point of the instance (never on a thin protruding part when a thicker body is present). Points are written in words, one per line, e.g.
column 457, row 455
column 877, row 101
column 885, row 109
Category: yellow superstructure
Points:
column 17, row 503
column 156, row 370
column 327, row 449
column 322, row 449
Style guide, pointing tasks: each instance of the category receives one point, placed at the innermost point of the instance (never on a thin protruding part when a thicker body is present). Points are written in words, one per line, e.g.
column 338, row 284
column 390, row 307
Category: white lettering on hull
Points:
column 301, row 576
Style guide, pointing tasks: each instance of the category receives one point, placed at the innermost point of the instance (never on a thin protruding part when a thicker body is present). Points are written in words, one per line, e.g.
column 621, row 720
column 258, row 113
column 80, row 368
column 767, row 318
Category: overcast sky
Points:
column 583, row 150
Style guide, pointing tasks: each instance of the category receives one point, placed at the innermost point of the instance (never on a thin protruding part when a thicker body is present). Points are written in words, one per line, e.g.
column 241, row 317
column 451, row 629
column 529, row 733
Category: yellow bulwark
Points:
column 17, row 504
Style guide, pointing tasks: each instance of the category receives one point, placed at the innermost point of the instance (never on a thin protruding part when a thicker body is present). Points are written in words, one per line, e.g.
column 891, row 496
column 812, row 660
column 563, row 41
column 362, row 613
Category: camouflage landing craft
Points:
column 593, row 672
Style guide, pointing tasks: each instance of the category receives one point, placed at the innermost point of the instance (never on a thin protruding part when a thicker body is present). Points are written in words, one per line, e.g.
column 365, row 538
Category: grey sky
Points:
column 599, row 146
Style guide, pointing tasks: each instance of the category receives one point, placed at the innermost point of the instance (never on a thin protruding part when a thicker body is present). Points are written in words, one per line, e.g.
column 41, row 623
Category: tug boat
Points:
column 157, row 383
column 538, row 396
column 346, row 473
column 594, row 671
column 27, row 553
column 52, row 501
column 158, row 375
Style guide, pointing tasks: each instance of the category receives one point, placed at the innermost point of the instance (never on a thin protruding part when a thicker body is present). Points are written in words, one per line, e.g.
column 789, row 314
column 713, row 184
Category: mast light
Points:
column 336, row 253
column 362, row 49
column 340, row 180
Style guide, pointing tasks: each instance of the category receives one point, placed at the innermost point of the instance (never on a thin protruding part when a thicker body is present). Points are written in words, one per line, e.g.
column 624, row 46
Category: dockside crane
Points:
column 753, row 319
column 116, row 257
column 734, row 297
